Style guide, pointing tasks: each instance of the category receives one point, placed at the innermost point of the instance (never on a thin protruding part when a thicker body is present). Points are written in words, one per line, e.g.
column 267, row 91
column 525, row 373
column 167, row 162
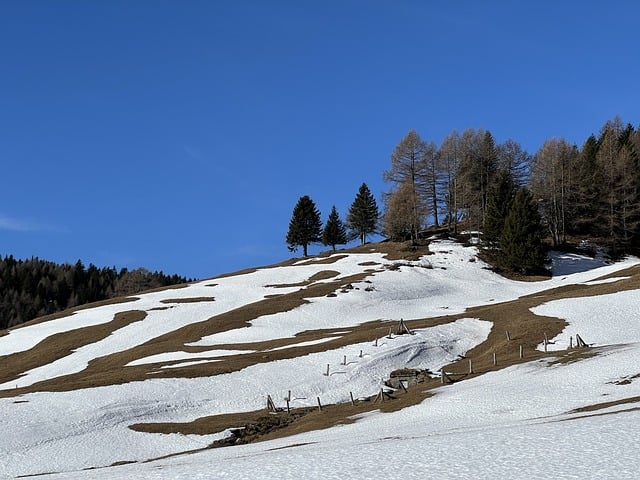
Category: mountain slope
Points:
column 75, row 386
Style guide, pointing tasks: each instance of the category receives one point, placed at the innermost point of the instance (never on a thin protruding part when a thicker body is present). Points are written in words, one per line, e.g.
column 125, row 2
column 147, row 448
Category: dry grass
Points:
column 189, row 300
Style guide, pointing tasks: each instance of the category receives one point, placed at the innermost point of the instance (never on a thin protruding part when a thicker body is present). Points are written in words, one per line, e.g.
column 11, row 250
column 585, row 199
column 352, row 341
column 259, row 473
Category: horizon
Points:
column 178, row 137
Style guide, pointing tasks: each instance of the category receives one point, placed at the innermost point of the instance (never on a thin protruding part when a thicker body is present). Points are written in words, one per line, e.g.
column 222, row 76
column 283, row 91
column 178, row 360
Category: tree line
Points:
column 563, row 191
column 35, row 287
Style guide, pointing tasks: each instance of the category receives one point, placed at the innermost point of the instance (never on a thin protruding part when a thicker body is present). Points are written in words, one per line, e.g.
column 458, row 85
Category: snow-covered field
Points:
column 513, row 423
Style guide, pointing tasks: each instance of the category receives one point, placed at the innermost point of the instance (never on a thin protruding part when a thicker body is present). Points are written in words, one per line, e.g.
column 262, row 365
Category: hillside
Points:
column 143, row 386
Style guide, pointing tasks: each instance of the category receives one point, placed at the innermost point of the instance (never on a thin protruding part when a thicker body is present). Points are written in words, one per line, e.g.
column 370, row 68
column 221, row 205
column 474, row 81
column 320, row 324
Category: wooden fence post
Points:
column 319, row 404
column 495, row 359
column 270, row 405
column 521, row 351
column 344, row 360
column 470, row 367
column 352, row 401
column 571, row 341
column 360, row 353
column 327, row 374
column 508, row 336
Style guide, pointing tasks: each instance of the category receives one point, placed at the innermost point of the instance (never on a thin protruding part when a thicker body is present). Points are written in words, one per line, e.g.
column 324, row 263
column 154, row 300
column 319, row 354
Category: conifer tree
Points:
column 334, row 232
column 500, row 201
column 521, row 247
column 362, row 218
column 305, row 226
column 586, row 218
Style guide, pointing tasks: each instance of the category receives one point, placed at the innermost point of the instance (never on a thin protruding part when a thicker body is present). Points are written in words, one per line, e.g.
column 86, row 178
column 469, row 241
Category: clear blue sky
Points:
column 178, row 135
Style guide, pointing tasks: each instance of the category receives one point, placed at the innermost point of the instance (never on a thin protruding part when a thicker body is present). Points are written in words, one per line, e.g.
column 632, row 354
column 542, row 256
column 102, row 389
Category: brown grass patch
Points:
column 60, row 345
column 70, row 311
column 110, row 369
column 323, row 275
column 189, row 300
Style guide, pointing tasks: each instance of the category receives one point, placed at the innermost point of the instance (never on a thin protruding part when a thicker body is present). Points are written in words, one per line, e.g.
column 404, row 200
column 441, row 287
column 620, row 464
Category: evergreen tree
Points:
column 362, row 218
column 305, row 226
column 586, row 218
column 476, row 173
column 500, row 201
column 334, row 232
column 521, row 247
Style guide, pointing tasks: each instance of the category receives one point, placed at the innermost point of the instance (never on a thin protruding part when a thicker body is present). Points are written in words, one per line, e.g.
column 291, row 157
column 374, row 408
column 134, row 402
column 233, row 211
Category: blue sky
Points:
column 178, row 135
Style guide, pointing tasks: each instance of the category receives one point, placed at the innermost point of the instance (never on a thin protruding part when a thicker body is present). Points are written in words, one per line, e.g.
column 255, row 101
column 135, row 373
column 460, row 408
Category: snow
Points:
column 518, row 422
column 303, row 344
column 602, row 320
column 172, row 356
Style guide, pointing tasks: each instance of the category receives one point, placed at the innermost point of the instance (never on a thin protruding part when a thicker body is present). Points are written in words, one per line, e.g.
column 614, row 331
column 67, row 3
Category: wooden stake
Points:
column 521, row 351
column 470, row 366
column 403, row 327
column 571, row 341
column 344, row 360
column 508, row 336
column 327, row 374
column 288, row 408
column 360, row 353
column 352, row 401
column 495, row 359
column 376, row 343
column 319, row 404
column 289, row 396
column 270, row 405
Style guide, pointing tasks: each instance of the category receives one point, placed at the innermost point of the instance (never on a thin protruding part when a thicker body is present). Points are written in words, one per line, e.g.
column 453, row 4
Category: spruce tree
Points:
column 334, row 232
column 305, row 226
column 499, row 203
column 362, row 218
column 521, row 247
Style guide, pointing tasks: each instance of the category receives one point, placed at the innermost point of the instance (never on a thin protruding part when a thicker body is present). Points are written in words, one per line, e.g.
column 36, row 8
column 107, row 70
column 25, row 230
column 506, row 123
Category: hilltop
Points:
column 144, row 386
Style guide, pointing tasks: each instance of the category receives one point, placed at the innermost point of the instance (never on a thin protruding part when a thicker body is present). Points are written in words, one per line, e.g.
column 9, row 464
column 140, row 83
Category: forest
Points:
column 34, row 287
column 521, row 202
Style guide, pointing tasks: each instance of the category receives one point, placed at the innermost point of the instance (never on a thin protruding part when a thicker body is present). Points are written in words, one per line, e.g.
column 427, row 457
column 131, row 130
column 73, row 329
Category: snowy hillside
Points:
column 72, row 388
